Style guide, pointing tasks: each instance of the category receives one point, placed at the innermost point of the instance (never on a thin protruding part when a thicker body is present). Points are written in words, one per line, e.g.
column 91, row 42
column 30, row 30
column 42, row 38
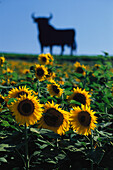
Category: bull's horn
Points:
column 51, row 16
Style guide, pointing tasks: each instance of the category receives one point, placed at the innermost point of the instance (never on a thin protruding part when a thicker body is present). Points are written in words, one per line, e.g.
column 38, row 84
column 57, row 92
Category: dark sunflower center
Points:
column 84, row 118
column 55, row 89
column 97, row 67
column 21, row 93
column 1, row 100
column 80, row 98
column 53, row 117
column 1, row 61
column 40, row 72
column 79, row 70
column 26, row 107
column 44, row 59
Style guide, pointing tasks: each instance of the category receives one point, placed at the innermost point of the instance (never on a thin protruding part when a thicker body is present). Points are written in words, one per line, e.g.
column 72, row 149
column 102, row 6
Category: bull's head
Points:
column 42, row 19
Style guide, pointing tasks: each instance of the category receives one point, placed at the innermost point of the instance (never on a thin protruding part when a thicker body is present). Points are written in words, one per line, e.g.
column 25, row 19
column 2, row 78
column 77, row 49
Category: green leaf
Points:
column 61, row 156
column 4, row 147
column 5, row 123
column 68, row 92
column 75, row 102
column 11, row 100
column 2, row 159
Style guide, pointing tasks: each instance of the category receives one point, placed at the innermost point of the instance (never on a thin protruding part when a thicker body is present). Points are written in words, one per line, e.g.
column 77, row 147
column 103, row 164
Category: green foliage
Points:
column 46, row 149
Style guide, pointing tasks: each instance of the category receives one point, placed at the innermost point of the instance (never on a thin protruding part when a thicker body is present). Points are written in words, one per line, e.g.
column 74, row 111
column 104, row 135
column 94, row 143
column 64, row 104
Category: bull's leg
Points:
column 71, row 51
column 51, row 49
column 41, row 48
column 62, row 50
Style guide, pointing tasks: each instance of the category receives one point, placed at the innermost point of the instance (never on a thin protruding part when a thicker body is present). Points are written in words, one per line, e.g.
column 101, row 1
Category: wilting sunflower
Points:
column 2, row 60
column 40, row 72
column 80, row 68
column 81, row 96
column 15, row 93
column 82, row 120
column 26, row 109
column 54, row 118
column 54, row 89
column 43, row 59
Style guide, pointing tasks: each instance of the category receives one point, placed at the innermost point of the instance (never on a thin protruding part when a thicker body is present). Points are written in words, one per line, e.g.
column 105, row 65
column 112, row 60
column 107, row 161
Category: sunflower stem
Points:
column 57, row 145
column 5, row 64
column 38, row 83
column 84, row 83
column 26, row 149
column 91, row 149
column 62, row 100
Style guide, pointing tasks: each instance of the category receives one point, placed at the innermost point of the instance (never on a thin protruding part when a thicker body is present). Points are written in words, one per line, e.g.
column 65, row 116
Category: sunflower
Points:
column 40, row 72
column 8, row 70
column 54, row 89
column 80, row 68
column 81, row 96
column 50, row 74
column 43, row 59
column 50, row 57
column 26, row 109
column 26, row 71
column 2, row 60
column 12, row 83
column 54, row 118
column 82, row 120
column 97, row 66
column 15, row 93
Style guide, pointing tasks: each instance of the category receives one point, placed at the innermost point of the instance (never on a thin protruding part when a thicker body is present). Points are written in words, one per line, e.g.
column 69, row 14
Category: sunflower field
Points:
column 56, row 116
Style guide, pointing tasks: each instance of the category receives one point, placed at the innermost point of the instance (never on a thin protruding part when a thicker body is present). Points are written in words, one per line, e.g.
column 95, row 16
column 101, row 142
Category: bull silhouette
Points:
column 49, row 36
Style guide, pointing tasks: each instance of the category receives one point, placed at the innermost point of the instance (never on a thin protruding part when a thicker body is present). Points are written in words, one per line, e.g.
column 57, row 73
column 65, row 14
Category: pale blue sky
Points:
column 92, row 19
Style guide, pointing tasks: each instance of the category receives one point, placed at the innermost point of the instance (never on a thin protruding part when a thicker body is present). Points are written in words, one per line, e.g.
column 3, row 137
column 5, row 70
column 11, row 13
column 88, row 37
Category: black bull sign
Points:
column 49, row 36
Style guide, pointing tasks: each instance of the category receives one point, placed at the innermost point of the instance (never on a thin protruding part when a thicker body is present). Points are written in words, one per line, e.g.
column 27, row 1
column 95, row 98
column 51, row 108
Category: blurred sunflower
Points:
column 97, row 66
column 2, row 60
column 8, row 70
column 54, row 118
column 54, row 89
column 26, row 109
column 15, row 93
column 80, row 68
column 40, row 72
column 50, row 74
column 4, row 82
column 26, row 71
column 43, row 59
column 81, row 96
column 82, row 120
column 51, row 59
column 12, row 83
